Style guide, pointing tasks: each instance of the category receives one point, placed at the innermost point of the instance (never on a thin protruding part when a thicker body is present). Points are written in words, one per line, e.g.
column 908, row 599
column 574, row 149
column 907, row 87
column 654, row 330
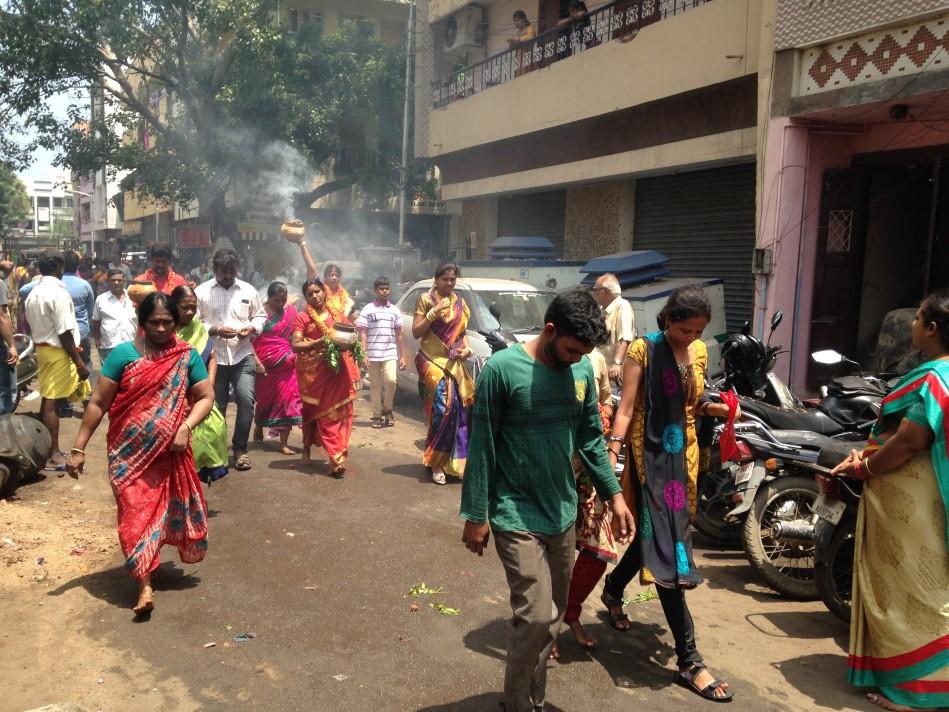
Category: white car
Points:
column 521, row 308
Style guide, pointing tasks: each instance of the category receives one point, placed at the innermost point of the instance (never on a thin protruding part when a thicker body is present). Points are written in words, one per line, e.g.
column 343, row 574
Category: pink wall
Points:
column 796, row 158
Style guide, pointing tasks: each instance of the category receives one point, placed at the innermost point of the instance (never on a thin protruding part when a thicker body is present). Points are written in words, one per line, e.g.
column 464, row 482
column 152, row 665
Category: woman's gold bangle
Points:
column 188, row 425
column 432, row 315
column 79, row 450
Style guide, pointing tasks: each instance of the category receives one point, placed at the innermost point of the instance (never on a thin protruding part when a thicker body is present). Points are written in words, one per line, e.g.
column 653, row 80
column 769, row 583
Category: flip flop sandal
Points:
column 242, row 463
column 376, row 423
column 389, row 420
column 686, row 679
column 615, row 619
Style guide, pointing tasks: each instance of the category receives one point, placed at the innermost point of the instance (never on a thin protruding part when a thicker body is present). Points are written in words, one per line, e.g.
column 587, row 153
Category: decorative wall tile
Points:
column 801, row 23
column 893, row 52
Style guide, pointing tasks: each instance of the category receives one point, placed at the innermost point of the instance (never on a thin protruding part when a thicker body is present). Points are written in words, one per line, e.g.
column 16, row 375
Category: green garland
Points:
column 334, row 356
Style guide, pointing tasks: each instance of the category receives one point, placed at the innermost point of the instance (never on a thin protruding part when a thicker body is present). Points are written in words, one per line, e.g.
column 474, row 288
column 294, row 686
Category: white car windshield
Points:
column 520, row 311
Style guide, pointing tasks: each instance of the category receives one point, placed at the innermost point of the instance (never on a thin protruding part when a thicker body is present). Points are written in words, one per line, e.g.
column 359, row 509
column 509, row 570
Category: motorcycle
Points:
column 497, row 339
column 772, row 484
column 847, row 411
column 748, row 368
column 26, row 366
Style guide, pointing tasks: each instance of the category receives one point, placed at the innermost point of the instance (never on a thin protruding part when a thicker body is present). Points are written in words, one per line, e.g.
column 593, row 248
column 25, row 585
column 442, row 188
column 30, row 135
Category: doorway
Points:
column 881, row 247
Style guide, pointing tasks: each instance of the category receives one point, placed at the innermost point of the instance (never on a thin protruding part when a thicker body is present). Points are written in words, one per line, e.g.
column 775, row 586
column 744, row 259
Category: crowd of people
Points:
column 537, row 441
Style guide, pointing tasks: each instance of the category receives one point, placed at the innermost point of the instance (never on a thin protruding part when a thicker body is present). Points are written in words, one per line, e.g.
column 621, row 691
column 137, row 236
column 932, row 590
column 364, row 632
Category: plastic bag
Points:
column 727, row 445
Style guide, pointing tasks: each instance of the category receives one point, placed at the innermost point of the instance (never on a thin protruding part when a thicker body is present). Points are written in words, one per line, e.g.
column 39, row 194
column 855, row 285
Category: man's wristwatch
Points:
column 617, row 362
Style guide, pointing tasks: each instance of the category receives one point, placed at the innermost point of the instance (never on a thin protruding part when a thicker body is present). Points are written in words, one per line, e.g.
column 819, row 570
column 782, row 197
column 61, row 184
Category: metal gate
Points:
column 704, row 222
column 534, row 215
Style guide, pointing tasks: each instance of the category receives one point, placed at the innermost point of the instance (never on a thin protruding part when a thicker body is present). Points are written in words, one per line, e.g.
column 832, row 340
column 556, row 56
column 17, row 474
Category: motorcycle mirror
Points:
column 746, row 328
column 495, row 311
column 776, row 320
column 828, row 357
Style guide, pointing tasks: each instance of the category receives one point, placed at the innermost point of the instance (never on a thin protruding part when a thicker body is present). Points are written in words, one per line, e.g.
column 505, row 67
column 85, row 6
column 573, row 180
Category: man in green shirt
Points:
column 535, row 405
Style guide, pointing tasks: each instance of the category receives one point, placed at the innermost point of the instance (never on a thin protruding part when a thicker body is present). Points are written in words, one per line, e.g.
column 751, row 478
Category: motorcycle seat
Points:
column 806, row 439
column 813, row 420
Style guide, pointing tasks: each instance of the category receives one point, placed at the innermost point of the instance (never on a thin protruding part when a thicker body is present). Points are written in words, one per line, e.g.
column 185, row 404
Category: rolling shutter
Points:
column 534, row 215
column 704, row 222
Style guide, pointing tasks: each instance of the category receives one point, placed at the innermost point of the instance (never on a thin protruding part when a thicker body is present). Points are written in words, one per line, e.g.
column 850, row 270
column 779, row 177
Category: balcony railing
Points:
column 615, row 21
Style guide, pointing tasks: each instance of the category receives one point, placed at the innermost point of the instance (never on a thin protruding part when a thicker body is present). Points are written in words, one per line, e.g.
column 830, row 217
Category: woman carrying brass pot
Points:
column 325, row 373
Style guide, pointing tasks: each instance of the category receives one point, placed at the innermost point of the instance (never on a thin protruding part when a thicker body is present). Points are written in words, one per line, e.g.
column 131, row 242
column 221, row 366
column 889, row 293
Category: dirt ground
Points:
column 319, row 571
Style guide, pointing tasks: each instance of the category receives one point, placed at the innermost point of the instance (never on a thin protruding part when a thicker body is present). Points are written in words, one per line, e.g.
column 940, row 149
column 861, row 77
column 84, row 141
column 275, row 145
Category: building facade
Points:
column 854, row 193
column 634, row 127
column 51, row 225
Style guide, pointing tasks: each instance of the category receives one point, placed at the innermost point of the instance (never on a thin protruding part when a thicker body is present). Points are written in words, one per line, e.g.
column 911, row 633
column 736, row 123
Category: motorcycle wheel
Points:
column 835, row 578
column 787, row 567
column 711, row 508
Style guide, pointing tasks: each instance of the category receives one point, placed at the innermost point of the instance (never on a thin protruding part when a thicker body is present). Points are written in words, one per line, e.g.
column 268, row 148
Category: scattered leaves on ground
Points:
column 445, row 610
column 422, row 589
column 642, row 597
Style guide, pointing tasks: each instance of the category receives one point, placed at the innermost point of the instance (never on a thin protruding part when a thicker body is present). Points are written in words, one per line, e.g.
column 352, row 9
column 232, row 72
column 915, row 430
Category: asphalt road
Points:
column 320, row 569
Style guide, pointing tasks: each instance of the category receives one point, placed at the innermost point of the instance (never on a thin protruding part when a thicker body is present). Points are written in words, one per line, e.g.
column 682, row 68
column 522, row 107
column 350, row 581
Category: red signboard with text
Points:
column 194, row 236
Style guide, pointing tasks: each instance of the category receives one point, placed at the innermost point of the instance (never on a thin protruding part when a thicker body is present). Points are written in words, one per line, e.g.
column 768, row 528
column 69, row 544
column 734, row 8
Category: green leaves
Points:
column 213, row 82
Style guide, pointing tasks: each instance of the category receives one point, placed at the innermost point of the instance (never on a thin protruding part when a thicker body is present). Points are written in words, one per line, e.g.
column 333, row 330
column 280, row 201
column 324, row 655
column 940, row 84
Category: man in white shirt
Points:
column 233, row 313
column 62, row 374
column 113, row 317
column 619, row 322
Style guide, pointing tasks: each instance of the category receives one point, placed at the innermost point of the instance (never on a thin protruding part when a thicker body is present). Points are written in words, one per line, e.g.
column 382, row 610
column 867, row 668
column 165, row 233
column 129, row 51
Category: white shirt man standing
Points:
column 620, row 323
column 233, row 313
column 113, row 317
column 62, row 374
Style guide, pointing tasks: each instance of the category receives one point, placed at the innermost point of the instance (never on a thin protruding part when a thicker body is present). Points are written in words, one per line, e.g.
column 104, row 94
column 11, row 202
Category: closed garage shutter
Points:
column 704, row 222
column 534, row 215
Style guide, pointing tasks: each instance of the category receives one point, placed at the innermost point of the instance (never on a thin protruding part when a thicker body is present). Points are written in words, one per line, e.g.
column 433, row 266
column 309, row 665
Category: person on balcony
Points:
column 575, row 25
column 524, row 33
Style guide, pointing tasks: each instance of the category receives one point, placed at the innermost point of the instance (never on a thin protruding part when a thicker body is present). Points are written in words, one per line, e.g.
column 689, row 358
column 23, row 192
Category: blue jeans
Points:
column 7, row 382
column 243, row 376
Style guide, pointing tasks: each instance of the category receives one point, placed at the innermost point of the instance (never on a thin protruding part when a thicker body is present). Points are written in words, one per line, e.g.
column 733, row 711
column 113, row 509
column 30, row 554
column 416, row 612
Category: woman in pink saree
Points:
column 278, row 395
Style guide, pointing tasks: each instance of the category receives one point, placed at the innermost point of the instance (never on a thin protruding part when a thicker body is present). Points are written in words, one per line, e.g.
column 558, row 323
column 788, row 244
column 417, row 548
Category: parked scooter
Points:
column 25, row 446
column 26, row 366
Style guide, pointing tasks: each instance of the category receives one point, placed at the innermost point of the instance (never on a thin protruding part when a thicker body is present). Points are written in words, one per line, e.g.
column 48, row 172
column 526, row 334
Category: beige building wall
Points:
column 712, row 43
column 599, row 219
column 479, row 224
column 702, row 152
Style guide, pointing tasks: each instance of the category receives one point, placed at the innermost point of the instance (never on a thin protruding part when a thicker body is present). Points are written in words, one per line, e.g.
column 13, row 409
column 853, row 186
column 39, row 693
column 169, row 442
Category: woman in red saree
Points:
column 278, row 395
column 327, row 392
column 156, row 391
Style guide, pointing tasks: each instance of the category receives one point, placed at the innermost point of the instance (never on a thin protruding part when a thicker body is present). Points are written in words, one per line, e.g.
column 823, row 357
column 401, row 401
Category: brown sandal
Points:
column 242, row 462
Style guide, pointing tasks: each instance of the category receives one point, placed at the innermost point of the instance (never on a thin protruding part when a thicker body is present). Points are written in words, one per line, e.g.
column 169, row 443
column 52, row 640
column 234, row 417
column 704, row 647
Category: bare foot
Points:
column 259, row 436
column 554, row 653
column 584, row 639
column 288, row 450
column 882, row 701
column 146, row 600
column 305, row 459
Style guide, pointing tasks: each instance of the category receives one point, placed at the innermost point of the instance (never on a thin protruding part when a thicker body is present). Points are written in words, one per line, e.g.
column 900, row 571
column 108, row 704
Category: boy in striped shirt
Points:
column 380, row 328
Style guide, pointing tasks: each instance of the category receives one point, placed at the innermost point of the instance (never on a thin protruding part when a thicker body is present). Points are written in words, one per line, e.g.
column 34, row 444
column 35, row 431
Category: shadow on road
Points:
column 810, row 673
column 803, row 626
column 637, row 659
column 117, row 588
column 485, row 702
column 417, row 472
column 738, row 579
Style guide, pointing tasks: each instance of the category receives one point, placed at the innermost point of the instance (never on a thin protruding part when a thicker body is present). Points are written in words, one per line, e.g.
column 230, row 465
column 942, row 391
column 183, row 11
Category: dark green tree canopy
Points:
column 14, row 202
column 216, row 84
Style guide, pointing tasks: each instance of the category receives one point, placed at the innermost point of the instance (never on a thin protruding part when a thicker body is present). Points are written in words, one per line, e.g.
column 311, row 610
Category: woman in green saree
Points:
column 209, row 441
column 899, row 629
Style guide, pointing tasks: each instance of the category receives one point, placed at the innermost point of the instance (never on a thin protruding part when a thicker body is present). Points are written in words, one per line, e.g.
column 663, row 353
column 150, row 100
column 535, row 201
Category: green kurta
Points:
column 527, row 421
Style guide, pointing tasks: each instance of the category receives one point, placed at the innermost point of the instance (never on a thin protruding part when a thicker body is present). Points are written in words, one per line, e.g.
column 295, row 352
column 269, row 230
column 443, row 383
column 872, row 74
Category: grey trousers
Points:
column 538, row 569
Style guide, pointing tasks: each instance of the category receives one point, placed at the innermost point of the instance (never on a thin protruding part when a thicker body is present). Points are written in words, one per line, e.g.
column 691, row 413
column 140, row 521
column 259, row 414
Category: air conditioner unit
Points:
column 463, row 31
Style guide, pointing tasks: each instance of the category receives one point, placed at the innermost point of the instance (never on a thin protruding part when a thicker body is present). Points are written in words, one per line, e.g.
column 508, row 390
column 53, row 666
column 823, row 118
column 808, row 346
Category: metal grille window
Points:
column 839, row 231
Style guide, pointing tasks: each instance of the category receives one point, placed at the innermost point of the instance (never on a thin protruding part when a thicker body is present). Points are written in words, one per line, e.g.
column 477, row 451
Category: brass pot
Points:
column 138, row 290
column 292, row 230
column 344, row 336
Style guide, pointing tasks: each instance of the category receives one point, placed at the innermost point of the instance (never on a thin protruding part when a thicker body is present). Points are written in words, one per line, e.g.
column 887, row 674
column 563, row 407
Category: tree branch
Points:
column 302, row 201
